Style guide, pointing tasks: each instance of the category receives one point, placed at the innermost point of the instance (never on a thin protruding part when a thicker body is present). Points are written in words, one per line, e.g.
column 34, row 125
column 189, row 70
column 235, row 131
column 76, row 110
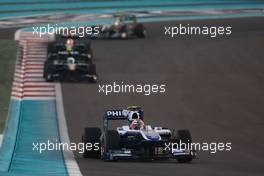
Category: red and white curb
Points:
column 29, row 84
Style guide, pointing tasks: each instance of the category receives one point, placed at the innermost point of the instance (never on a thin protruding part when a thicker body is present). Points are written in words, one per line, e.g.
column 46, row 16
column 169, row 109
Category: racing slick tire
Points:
column 88, row 50
column 111, row 141
column 92, row 71
column 184, row 136
column 140, row 31
column 91, row 136
column 123, row 33
column 47, row 72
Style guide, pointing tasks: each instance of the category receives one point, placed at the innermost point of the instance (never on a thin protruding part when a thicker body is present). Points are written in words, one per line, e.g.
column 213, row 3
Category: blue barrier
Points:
column 31, row 121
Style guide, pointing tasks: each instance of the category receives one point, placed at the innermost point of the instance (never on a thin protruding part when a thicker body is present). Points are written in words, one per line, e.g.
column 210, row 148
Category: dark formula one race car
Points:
column 71, row 59
column 141, row 142
column 123, row 26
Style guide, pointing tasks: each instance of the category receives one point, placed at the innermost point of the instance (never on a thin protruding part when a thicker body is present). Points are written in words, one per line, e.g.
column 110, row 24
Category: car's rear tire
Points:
column 92, row 71
column 94, row 79
column 184, row 136
column 91, row 135
column 47, row 73
column 88, row 50
column 140, row 31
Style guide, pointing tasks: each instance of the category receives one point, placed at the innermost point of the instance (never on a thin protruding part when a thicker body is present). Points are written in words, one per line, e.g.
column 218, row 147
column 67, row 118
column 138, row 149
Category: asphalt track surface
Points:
column 214, row 88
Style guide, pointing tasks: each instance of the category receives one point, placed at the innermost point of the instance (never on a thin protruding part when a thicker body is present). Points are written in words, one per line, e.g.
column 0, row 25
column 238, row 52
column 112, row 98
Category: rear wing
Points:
column 114, row 115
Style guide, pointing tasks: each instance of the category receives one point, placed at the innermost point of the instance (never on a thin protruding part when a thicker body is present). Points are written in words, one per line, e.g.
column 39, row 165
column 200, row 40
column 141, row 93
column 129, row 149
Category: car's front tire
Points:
column 185, row 138
column 91, row 135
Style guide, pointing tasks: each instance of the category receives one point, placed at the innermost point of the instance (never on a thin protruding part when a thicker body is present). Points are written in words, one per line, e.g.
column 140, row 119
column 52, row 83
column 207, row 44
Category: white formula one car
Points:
column 136, row 140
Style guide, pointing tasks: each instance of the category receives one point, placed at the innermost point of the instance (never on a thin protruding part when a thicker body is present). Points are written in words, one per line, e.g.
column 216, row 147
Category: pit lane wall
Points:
column 32, row 117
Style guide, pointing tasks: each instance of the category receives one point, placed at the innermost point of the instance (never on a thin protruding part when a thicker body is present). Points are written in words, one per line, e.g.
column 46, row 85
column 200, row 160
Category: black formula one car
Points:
column 123, row 26
column 70, row 43
column 69, row 59
column 127, row 143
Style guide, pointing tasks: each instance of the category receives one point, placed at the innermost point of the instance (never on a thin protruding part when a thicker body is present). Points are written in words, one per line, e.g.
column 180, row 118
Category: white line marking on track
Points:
column 1, row 139
column 71, row 164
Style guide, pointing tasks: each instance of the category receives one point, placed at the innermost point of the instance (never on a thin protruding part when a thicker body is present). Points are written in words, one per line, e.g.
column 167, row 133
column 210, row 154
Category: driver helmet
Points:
column 135, row 121
column 133, row 111
column 69, row 44
column 135, row 116
column 117, row 21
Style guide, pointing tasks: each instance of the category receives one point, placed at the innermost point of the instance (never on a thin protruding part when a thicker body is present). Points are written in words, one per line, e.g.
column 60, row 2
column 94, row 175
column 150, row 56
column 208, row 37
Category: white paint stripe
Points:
column 1, row 139
column 19, row 67
column 35, row 56
column 37, row 84
column 19, row 70
column 17, row 84
column 71, row 164
column 39, row 88
column 37, row 48
column 18, row 75
column 15, row 98
column 39, row 93
column 40, row 58
column 18, row 35
column 34, row 62
column 37, row 52
column 40, row 63
column 33, row 74
column 34, row 65
column 16, row 89
column 32, row 71
column 17, row 79
column 37, row 43
column 30, row 67
column 38, row 98
column 16, row 94
column 34, row 79
column 35, row 59
column 35, row 39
